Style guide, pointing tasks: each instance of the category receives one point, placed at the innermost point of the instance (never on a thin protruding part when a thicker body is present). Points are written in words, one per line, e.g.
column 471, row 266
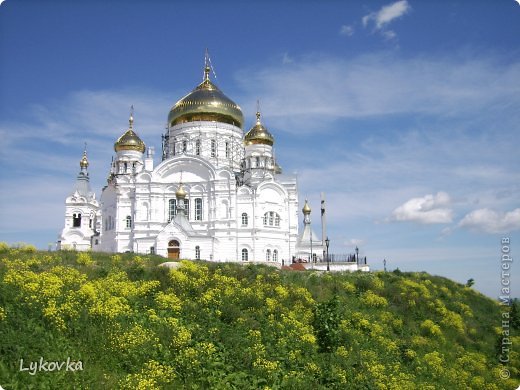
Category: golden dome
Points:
column 306, row 208
column 258, row 134
column 83, row 163
column 130, row 140
column 206, row 103
column 180, row 193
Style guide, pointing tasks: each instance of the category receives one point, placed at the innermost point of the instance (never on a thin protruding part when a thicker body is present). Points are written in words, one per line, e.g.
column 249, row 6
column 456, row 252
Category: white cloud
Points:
column 315, row 91
column 286, row 59
column 387, row 14
column 346, row 30
column 428, row 209
column 490, row 221
column 389, row 35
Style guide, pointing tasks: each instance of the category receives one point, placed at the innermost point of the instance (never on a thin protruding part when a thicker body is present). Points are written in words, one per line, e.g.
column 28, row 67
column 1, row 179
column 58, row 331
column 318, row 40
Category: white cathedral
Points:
column 217, row 194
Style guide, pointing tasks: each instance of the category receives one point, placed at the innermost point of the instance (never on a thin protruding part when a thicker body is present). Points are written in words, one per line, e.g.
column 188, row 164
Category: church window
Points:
column 314, row 258
column 174, row 148
column 198, row 209
column 271, row 219
column 244, row 219
column 258, row 162
column 197, row 252
column 245, row 255
column 184, row 146
column 172, row 209
column 90, row 223
column 76, row 220
column 128, row 221
column 126, row 167
column 197, row 147
column 187, row 208
column 268, row 255
column 213, row 148
column 152, row 250
column 227, row 149
column 275, row 255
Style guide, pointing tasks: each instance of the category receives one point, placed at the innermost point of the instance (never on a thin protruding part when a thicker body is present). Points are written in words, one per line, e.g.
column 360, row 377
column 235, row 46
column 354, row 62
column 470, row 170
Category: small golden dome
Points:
column 83, row 163
column 306, row 208
column 258, row 134
column 206, row 103
column 180, row 193
column 130, row 140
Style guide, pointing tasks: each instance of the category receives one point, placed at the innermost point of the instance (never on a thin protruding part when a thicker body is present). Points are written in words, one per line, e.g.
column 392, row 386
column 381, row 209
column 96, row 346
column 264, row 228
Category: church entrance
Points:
column 174, row 250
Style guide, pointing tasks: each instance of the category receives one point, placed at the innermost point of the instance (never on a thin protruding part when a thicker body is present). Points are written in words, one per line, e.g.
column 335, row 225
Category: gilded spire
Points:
column 207, row 67
column 83, row 163
column 258, row 112
column 131, row 119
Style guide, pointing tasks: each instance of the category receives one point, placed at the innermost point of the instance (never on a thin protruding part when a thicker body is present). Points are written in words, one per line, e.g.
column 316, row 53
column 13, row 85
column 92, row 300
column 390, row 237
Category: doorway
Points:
column 174, row 250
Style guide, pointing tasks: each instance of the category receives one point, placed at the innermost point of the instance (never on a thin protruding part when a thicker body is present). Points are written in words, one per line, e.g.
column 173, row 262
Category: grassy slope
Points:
column 207, row 325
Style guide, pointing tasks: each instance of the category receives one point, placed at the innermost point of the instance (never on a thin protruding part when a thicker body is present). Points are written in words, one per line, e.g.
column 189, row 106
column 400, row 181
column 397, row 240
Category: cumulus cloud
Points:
column 346, row 30
column 387, row 14
column 490, row 221
column 428, row 210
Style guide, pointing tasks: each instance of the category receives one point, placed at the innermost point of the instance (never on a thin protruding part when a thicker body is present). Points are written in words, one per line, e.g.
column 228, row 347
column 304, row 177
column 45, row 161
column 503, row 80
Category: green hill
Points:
column 134, row 325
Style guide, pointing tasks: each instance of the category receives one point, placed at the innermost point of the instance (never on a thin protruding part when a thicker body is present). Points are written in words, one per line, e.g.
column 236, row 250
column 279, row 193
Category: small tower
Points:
column 259, row 163
column 310, row 246
column 129, row 149
column 81, row 213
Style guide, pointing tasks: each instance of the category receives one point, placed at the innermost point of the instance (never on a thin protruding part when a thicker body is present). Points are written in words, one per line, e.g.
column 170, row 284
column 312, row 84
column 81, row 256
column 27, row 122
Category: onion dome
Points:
column 258, row 134
column 180, row 193
column 206, row 103
column 130, row 140
column 306, row 208
column 83, row 163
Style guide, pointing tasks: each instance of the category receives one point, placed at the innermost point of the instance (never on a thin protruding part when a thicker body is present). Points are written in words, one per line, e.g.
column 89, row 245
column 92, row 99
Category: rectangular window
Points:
column 187, row 208
column 172, row 209
column 213, row 148
column 197, row 147
column 227, row 149
column 198, row 209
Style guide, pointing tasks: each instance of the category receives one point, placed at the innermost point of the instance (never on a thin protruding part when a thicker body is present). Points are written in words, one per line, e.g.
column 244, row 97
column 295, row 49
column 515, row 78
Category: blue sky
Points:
column 406, row 114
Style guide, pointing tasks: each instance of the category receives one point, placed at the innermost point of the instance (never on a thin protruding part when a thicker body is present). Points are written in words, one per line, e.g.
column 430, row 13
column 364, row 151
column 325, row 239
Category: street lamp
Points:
column 327, row 242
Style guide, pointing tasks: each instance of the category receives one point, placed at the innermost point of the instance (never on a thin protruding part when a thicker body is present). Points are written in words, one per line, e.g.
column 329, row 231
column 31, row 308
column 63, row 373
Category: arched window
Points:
column 128, row 221
column 244, row 219
column 268, row 255
column 197, row 252
column 245, row 255
column 275, row 255
column 198, row 209
column 184, row 146
column 213, row 148
column 197, row 147
column 76, row 220
column 172, row 209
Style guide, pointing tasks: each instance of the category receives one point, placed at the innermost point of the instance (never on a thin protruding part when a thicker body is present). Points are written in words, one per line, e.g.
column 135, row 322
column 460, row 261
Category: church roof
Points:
column 130, row 140
column 206, row 103
column 259, row 134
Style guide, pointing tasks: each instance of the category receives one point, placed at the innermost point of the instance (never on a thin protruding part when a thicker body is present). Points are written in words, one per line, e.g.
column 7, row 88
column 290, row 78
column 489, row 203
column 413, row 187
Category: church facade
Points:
column 218, row 193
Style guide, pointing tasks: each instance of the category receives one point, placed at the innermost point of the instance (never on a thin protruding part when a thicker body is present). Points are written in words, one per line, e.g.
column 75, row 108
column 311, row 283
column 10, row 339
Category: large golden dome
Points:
column 130, row 140
column 258, row 134
column 206, row 103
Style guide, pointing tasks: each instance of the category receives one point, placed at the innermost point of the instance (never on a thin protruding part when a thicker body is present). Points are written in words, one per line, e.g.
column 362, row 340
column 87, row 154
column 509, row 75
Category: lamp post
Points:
column 327, row 242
